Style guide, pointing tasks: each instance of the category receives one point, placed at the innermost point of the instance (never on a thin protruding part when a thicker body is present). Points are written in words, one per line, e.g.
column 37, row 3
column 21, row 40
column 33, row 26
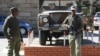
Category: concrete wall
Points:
column 28, row 9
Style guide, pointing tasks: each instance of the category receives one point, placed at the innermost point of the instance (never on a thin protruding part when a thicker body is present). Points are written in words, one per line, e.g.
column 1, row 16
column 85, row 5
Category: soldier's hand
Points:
column 10, row 39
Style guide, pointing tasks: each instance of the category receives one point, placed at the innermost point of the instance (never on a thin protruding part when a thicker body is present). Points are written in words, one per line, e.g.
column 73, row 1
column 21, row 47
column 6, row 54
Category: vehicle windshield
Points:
column 58, row 17
column 97, row 15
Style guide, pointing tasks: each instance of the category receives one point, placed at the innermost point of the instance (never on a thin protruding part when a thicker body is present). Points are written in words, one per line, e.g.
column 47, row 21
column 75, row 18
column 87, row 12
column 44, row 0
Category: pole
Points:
column 59, row 4
column 92, row 35
column 64, row 38
column 91, row 8
column 99, row 34
column 87, row 33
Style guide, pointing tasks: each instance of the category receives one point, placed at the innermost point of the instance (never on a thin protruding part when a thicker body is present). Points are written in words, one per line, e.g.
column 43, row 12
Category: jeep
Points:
column 50, row 24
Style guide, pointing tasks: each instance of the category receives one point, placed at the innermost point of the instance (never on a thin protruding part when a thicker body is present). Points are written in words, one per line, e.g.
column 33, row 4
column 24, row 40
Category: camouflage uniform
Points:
column 75, row 34
column 11, row 29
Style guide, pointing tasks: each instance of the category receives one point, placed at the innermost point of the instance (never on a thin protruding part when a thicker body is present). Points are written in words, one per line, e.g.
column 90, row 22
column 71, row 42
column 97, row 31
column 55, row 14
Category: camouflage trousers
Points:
column 75, row 44
column 14, row 46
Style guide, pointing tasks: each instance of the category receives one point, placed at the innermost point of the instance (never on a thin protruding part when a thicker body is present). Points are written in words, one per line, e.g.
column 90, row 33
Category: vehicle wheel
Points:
column 42, row 38
column 96, row 28
column 23, row 30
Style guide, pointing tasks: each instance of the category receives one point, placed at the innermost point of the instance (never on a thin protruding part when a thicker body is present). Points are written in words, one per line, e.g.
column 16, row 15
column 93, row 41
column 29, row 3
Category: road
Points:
column 3, row 42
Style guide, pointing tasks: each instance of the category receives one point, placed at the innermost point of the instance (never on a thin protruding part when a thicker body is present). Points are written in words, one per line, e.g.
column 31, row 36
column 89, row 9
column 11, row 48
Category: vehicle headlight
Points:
column 45, row 20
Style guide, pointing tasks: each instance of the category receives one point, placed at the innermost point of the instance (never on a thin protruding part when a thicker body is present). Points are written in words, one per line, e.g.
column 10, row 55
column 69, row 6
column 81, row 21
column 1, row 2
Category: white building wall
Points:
column 28, row 9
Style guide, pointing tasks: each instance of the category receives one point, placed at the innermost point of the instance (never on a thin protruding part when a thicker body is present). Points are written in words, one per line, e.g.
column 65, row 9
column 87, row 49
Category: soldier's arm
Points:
column 5, row 28
column 66, row 19
column 80, row 23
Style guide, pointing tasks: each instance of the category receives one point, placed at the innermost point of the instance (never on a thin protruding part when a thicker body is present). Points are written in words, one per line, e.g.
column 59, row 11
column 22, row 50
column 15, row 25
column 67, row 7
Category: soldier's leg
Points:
column 10, row 48
column 72, row 45
column 78, row 45
column 17, row 46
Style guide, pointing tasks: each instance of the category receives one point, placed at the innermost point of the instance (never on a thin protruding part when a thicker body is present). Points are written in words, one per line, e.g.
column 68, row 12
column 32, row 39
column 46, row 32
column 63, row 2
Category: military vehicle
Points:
column 50, row 24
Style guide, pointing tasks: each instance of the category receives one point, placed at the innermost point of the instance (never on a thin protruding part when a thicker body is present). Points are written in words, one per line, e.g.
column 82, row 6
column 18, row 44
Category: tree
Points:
column 86, row 3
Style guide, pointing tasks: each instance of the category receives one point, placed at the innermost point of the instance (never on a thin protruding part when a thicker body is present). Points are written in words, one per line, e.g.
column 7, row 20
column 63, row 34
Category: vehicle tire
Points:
column 42, row 38
column 96, row 28
column 23, row 30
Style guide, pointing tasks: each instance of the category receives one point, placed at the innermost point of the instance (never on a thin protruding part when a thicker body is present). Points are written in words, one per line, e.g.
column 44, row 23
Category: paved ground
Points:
column 92, row 39
column 3, row 45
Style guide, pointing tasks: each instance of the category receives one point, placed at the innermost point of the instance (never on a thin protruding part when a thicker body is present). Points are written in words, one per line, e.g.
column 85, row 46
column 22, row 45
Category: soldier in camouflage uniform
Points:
column 75, row 33
column 12, row 31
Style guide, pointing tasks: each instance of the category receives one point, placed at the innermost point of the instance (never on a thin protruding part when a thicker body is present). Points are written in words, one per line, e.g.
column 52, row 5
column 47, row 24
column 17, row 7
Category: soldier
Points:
column 75, row 33
column 12, row 31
